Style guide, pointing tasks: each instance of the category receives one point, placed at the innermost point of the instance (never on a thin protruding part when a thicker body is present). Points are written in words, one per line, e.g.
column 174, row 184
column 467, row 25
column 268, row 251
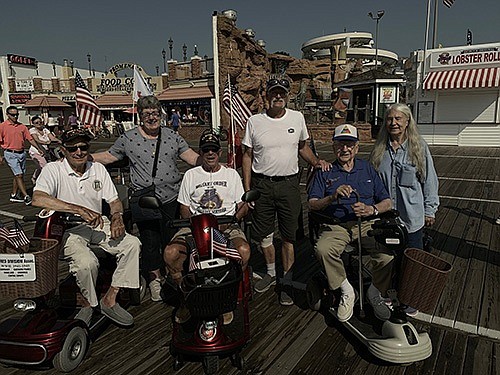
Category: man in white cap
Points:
column 330, row 192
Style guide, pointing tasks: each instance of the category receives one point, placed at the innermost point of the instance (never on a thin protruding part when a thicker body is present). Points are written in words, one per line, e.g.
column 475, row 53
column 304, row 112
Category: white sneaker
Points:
column 155, row 289
column 346, row 307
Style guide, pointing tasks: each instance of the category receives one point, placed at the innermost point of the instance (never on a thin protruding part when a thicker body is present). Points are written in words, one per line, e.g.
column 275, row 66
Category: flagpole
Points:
column 427, row 24
column 231, row 122
column 434, row 28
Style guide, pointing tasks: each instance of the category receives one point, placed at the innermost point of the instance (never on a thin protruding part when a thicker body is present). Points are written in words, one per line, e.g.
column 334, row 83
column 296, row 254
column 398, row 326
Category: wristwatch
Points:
column 375, row 211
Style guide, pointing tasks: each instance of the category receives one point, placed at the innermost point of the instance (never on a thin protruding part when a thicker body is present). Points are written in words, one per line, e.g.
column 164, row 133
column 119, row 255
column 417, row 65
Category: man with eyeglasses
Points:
column 208, row 188
column 78, row 186
column 13, row 134
column 139, row 145
column 331, row 192
column 273, row 141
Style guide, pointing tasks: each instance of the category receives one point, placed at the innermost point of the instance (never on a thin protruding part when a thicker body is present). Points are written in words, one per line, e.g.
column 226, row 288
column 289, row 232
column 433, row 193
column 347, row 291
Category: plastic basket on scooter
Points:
column 213, row 291
column 422, row 279
column 16, row 264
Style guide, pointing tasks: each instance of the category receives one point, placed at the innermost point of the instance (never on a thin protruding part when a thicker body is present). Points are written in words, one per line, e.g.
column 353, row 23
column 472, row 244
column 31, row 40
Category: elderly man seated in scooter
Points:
column 75, row 185
column 208, row 188
column 330, row 191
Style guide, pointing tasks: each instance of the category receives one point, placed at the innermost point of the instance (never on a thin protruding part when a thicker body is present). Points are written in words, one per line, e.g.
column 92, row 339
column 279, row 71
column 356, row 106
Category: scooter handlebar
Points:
column 30, row 218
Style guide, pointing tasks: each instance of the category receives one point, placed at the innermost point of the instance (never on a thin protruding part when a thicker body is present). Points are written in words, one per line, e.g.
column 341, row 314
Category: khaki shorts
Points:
column 232, row 231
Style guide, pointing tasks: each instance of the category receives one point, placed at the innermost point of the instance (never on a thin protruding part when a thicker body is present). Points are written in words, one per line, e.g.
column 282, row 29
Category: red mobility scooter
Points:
column 46, row 331
column 211, row 286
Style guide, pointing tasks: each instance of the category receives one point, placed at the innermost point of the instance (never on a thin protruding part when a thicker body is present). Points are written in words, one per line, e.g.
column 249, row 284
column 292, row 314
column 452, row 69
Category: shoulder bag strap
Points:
column 157, row 154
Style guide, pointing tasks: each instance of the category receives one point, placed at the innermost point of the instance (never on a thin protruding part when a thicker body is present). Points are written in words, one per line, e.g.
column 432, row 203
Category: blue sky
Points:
column 115, row 31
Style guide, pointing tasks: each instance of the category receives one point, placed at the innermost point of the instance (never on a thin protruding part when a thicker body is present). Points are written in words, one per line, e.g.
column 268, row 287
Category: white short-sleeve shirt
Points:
column 275, row 142
column 59, row 180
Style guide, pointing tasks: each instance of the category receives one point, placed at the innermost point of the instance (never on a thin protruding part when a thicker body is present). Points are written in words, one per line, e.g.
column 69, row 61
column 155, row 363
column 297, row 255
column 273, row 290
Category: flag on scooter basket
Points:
column 224, row 246
column 15, row 236
column 193, row 254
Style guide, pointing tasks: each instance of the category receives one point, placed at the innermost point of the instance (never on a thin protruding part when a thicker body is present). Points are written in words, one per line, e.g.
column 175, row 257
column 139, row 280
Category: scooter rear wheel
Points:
column 210, row 364
column 73, row 350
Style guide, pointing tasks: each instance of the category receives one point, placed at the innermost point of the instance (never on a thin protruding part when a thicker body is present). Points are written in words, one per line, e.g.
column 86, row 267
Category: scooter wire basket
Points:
column 422, row 279
column 214, row 291
column 46, row 254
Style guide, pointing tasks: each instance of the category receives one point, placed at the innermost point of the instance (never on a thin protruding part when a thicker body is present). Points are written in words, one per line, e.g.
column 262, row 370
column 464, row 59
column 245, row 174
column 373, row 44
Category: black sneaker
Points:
column 16, row 198
column 265, row 283
column 27, row 200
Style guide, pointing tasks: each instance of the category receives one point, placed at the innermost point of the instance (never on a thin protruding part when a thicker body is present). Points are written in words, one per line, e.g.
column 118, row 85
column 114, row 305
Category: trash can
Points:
column 422, row 279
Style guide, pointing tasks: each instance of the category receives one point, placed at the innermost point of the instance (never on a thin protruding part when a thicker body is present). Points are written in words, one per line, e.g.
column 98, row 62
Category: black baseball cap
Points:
column 71, row 135
column 209, row 139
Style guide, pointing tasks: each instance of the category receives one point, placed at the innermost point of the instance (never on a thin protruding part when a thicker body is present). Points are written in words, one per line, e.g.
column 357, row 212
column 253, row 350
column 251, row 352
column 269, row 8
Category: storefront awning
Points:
column 462, row 79
column 114, row 100
column 187, row 93
column 46, row 102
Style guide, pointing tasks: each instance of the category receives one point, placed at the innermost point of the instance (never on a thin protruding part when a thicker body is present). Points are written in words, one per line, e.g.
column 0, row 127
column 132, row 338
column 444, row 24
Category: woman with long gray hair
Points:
column 404, row 162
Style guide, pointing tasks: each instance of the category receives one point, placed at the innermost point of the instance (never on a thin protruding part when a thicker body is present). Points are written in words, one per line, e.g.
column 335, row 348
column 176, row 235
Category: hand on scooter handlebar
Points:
column 92, row 218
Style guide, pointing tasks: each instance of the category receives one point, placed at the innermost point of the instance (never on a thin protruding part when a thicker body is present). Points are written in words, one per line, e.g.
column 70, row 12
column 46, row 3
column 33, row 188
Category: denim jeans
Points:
column 415, row 239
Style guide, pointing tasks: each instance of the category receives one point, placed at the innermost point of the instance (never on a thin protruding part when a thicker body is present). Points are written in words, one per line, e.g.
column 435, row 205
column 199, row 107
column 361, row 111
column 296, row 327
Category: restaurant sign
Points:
column 21, row 60
column 19, row 98
column 466, row 57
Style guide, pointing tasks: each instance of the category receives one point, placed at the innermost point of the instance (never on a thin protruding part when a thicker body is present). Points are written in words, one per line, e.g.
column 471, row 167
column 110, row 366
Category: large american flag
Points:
column 448, row 3
column 238, row 110
column 87, row 109
column 15, row 236
column 224, row 246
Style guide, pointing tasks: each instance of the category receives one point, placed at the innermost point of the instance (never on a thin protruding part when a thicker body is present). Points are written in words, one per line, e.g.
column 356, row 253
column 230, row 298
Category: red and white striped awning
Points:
column 462, row 79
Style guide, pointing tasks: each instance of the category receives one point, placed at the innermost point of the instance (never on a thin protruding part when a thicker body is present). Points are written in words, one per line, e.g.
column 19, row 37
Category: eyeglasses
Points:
column 149, row 114
column 13, row 114
column 206, row 150
column 349, row 145
column 83, row 147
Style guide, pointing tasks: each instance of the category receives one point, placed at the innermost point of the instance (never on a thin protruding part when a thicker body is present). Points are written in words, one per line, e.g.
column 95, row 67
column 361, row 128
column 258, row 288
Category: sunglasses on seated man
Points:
column 82, row 147
column 206, row 150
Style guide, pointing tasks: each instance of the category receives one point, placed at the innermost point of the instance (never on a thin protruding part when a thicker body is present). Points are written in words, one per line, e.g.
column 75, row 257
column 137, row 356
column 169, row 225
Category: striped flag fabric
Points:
column 234, row 104
column 88, row 111
column 224, row 246
column 193, row 255
column 15, row 236
column 448, row 3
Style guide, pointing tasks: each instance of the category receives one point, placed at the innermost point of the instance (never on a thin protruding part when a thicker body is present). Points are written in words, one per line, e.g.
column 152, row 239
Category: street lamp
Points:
column 170, row 46
column 72, row 64
column 54, row 68
column 184, row 51
column 377, row 17
column 90, row 66
column 164, row 53
column 157, row 70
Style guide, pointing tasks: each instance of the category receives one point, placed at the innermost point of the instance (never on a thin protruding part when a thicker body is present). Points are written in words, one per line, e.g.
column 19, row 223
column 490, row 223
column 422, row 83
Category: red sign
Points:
column 19, row 98
column 21, row 60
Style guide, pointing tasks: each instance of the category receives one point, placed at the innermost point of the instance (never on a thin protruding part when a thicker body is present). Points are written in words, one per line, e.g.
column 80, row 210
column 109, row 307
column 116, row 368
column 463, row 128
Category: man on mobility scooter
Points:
column 331, row 191
column 76, row 185
column 214, row 189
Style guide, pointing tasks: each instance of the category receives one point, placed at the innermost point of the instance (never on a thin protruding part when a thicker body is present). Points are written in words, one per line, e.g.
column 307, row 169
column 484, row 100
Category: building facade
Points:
column 455, row 93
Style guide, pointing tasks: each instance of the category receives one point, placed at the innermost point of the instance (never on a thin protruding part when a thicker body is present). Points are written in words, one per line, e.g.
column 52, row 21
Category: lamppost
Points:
column 72, row 64
column 90, row 66
column 157, row 70
column 164, row 53
column 54, row 68
column 377, row 17
column 170, row 46
column 184, row 51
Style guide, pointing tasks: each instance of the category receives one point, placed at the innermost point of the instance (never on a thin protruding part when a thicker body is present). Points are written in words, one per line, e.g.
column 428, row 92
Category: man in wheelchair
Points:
column 331, row 192
column 209, row 188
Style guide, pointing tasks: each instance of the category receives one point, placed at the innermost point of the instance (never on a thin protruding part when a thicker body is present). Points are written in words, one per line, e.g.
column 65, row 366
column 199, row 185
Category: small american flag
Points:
column 193, row 255
column 88, row 111
column 448, row 3
column 224, row 246
column 15, row 236
column 234, row 104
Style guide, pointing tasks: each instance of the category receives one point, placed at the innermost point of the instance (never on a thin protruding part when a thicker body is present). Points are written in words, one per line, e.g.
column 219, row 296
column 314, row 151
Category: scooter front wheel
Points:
column 73, row 350
column 210, row 364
